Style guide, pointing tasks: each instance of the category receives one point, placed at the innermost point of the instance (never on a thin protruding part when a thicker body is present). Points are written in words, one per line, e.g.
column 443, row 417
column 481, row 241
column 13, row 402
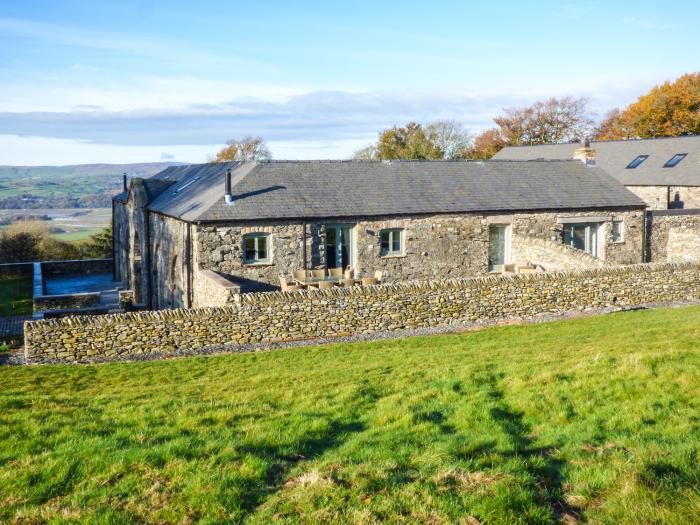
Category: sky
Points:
column 146, row 81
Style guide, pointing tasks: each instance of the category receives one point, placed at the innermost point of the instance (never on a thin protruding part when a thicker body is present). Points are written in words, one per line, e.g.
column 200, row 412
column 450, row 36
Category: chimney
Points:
column 124, row 186
column 586, row 154
column 227, row 191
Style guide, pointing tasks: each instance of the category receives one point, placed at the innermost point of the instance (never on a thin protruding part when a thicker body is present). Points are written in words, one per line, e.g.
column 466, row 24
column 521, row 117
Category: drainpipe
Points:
column 147, row 261
column 668, row 197
column 303, row 237
column 114, row 246
column 188, row 259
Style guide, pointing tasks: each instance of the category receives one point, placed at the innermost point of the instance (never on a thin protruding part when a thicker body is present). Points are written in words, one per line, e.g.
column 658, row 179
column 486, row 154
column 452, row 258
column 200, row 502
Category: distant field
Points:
column 84, row 185
column 595, row 420
column 78, row 223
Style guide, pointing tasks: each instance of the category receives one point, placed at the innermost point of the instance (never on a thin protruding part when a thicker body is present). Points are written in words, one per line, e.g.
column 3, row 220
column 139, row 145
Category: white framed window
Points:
column 256, row 248
column 582, row 236
column 618, row 231
column 391, row 242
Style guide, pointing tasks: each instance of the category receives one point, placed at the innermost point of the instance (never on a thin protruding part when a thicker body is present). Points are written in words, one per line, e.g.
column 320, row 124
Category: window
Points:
column 582, row 236
column 618, row 231
column 673, row 161
column 256, row 248
column 391, row 242
column 636, row 162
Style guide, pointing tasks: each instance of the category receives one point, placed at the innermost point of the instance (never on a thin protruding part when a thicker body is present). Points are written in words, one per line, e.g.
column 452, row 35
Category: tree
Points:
column 611, row 127
column 668, row 110
column 99, row 245
column 449, row 137
column 443, row 139
column 248, row 148
column 553, row 120
column 409, row 142
column 366, row 153
column 485, row 145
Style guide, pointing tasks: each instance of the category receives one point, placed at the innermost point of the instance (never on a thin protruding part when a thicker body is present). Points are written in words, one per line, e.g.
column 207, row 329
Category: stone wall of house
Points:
column 120, row 241
column 11, row 271
column 168, row 255
column 280, row 316
column 435, row 246
column 66, row 302
column 548, row 226
column 665, row 197
column 553, row 256
column 673, row 235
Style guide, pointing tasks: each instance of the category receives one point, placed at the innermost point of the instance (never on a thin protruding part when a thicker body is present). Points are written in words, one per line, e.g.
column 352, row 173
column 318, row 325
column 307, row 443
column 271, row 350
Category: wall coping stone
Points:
column 219, row 280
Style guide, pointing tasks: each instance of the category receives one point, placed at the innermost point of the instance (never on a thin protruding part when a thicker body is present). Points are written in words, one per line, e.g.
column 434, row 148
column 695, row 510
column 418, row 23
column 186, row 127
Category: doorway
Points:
column 339, row 246
column 499, row 246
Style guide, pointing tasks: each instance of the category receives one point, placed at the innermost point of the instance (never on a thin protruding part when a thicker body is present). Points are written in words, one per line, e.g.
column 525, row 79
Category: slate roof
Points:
column 614, row 156
column 155, row 184
column 336, row 189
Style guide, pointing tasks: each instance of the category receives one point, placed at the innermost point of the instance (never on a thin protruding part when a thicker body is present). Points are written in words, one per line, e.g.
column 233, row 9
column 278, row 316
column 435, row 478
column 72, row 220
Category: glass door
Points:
column 498, row 246
column 583, row 236
column 339, row 246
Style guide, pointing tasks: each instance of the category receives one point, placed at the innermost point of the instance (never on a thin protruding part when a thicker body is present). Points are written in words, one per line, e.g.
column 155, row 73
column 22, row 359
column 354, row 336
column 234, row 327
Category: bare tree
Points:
column 247, row 148
column 565, row 119
column 450, row 137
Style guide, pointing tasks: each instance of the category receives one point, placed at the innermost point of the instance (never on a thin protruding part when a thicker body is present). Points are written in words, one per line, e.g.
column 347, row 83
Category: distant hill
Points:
column 76, row 186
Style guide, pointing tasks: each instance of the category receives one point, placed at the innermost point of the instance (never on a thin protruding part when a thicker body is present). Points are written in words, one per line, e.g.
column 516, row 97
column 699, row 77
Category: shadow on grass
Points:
column 283, row 458
column 541, row 465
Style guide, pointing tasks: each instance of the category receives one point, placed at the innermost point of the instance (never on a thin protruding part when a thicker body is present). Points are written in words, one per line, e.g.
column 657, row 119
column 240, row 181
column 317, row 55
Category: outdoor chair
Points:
column 346, row 283
column 378, row 275
column 335, row 272
column 349, row 273
column 368, row 281
column 300, row 274
column 286, row 287
column 318, row 273
column 326, row 284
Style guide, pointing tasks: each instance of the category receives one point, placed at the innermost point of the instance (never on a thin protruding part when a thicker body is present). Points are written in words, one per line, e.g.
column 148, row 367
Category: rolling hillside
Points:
column 77, row 186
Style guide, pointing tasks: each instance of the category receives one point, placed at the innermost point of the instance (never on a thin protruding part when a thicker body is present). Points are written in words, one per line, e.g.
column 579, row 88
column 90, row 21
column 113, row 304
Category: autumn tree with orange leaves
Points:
column 668, row 110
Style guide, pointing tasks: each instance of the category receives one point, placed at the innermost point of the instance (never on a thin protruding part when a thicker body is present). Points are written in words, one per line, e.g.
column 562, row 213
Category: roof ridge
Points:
column 636, row 139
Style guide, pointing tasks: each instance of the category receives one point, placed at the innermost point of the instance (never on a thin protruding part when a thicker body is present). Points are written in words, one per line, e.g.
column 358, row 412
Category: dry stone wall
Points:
column 552, row 255
column 281, row 316
column 66, row 302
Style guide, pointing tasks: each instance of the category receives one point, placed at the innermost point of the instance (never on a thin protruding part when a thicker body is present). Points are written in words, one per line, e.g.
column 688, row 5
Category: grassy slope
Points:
column 597, row 418
column 16, row 297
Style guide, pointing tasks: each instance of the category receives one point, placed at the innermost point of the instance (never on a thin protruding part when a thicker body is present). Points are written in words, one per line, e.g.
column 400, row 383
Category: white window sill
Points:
column 261, row 264
column 393, row 256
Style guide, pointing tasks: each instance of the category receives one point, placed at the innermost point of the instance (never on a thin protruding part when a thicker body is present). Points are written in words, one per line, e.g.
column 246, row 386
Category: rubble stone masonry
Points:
column 310, row 314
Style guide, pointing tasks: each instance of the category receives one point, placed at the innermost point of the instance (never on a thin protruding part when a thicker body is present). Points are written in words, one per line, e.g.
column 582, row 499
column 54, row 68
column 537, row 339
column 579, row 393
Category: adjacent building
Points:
column 664, row 172
column 197, row 235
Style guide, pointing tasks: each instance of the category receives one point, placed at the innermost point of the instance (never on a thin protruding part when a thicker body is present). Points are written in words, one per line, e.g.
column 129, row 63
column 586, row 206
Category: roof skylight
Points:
column 636, row 162
column 673, row 161
column 188, row 183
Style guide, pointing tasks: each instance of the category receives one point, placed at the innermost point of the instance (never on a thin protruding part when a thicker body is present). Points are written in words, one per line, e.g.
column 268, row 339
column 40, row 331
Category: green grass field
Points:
column 15, row 297
column 77, row 236
column 594, row 420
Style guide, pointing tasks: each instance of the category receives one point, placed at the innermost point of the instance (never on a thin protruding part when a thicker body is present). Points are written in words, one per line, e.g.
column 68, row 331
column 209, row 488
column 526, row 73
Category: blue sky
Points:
column 135, row 81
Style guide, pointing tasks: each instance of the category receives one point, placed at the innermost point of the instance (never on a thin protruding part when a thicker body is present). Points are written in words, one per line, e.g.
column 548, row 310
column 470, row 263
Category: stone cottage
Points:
column 198, row 235
column 664, row 172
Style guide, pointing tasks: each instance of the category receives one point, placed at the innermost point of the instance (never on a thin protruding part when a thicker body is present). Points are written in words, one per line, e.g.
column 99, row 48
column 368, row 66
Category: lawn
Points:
column 15, row 297
column 594, row 420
